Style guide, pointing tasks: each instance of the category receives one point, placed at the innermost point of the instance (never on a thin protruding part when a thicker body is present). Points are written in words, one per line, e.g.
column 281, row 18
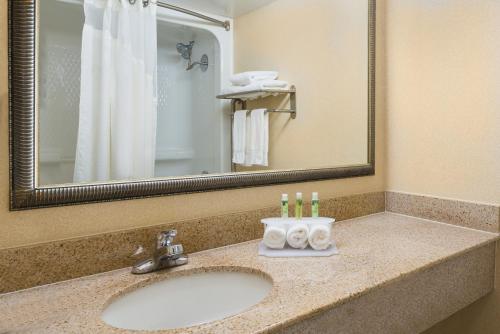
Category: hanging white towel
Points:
column 257, row 85
column 239, row 136
column 246, row 78
column 257, row 145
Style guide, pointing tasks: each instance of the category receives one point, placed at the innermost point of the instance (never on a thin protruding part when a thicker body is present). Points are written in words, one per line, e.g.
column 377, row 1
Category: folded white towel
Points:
column 257, row 85
column 275, row 237
column 319, row 237
column 297, row 235
column 246, row 78
column 257, row 139
column 239, row 136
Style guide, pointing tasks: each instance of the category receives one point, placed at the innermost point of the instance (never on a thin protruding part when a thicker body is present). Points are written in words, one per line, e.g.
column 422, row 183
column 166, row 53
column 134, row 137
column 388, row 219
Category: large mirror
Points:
column 114, row 99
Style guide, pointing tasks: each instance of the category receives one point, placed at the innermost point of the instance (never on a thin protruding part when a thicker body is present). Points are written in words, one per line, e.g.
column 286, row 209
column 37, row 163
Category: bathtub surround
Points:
column 467, row 214
column 406, row 287
column 51, row 262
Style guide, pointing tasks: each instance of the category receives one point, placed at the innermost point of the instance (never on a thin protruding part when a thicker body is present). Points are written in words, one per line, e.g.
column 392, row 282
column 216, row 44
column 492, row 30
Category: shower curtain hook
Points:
column 145, row 3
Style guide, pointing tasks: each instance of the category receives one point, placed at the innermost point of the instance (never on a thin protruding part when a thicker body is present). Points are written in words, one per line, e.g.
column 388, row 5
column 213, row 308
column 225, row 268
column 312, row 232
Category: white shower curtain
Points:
column 118, row 97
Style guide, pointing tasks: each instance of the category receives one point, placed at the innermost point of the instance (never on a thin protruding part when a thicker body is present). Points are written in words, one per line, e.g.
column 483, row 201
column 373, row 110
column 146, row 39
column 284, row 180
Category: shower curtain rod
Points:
column 225, row 24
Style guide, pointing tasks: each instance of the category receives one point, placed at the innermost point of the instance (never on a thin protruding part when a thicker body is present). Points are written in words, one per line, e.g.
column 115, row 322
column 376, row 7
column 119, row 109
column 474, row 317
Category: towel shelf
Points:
column 243, row 97
column 255, row 94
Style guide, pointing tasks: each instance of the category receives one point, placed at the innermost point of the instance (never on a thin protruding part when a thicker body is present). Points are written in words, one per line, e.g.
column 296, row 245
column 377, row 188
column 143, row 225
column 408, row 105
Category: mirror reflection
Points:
column 132, row 90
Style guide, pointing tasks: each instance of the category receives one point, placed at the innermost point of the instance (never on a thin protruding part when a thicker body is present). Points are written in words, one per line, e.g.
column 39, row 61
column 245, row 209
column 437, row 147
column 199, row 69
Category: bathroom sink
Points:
column 186, row 301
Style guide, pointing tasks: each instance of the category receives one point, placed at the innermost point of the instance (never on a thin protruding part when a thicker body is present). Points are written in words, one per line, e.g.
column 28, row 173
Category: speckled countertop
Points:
column 375, row 250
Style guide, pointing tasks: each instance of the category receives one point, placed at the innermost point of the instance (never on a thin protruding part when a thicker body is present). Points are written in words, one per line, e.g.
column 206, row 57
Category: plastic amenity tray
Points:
column 293, row 252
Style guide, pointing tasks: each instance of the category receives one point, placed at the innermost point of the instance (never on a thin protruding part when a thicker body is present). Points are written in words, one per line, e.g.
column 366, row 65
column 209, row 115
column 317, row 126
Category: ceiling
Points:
column 228, row 8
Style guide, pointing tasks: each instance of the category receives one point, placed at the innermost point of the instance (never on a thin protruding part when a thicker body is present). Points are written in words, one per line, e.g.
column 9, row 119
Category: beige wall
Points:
column 35, row 226
column 443, row 124
column 444, row 98
column 320, row 46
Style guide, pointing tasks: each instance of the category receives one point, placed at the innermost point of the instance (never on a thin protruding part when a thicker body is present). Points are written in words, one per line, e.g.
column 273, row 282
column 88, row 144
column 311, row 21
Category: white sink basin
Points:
column 187, row 301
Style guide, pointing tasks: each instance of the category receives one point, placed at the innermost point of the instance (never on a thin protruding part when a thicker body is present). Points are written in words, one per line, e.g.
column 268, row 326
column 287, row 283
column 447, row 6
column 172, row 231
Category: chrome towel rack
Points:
column 243, row 97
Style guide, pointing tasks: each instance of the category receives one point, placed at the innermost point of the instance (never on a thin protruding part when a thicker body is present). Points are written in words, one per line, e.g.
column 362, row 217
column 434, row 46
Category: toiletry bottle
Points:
column 315, row 205
column 284, row 206
column 298, row 206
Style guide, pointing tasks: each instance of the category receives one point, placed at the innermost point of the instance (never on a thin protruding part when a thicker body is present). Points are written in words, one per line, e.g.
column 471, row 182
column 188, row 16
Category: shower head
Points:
column 185, row 49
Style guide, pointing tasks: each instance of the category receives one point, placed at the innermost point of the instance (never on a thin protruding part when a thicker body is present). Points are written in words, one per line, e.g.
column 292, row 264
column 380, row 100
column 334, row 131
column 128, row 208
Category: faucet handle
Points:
column 165, row 238
column 140, row 253
column 175, row 250
column 140, row 250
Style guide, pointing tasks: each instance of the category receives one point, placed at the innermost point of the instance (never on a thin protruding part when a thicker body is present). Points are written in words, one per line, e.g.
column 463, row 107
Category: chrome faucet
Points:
column 166, row 255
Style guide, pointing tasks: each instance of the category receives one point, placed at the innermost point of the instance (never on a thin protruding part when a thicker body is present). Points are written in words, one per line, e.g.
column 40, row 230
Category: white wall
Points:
column 59, row 94
column 174, row 141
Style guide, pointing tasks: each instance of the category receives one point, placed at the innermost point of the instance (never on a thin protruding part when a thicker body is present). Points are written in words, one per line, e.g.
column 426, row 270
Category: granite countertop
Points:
column 374, row 251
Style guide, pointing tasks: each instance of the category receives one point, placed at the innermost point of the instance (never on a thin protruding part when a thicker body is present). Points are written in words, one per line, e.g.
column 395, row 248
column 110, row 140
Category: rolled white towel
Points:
column 275, row 237
column 297, row 235
column 319, row 237
column 246, row 78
